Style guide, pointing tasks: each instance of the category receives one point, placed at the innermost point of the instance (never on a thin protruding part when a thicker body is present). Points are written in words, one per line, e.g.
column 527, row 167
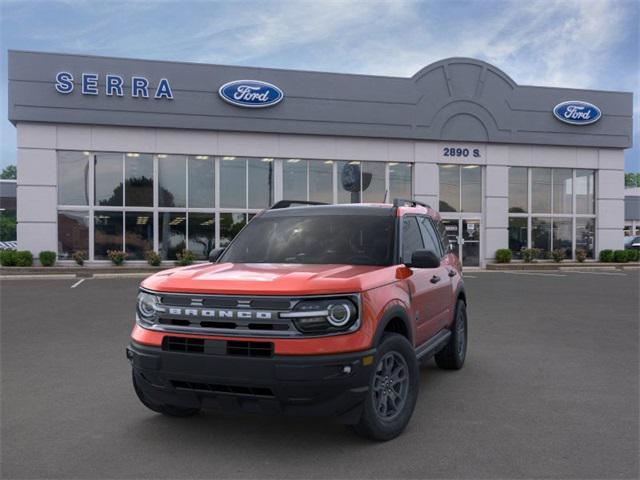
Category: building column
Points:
column 496, row 210
column 36, row 192
column 426, row 178
column 610, row 200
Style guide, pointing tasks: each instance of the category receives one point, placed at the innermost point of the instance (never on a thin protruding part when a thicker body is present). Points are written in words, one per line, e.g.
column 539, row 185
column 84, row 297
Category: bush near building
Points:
column 185, row 257
column 633, row 255
column 24, row 258
column 558, row 255
column 153, row 258
column 620, row 256
column 503, row 255
column 117, row 257
column 606, row 256
column 7, row 258
column 79, row 256
column 581, row 254
column 47, row 258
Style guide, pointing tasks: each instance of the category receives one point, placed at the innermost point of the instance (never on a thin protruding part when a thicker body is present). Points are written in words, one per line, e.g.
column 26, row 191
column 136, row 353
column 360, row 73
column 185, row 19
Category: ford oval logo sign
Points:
column 250, row 93
column 577, row 112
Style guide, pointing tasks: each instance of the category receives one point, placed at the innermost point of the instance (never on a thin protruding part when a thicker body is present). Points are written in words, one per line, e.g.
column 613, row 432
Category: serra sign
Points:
column 113, row 85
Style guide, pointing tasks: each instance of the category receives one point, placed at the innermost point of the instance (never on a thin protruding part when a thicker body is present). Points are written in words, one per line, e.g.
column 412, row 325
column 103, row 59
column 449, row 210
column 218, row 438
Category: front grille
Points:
column 229, row 389
column 182, row 344
column 250, row 349
column 227, row 315
column 217, row 347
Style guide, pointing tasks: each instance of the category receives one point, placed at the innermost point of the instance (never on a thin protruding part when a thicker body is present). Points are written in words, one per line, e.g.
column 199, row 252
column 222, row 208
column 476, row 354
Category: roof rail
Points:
column 294, row 203
column 403, row 202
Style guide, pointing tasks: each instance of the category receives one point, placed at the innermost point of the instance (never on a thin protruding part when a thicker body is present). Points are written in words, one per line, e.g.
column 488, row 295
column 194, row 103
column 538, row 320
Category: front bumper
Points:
column 314, row 385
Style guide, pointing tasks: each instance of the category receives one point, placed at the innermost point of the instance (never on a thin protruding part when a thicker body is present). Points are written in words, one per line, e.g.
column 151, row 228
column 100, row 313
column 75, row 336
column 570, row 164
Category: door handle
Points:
column 435, row 279
column 452, row 273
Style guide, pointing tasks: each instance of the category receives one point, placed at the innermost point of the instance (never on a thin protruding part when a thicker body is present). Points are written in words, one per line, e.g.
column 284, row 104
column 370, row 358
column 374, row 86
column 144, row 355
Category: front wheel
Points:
column 393, row 390
column 452, row 356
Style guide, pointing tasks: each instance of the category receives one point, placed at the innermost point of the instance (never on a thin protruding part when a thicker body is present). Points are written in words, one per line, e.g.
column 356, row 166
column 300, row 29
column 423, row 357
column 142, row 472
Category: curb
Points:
column 561, row 266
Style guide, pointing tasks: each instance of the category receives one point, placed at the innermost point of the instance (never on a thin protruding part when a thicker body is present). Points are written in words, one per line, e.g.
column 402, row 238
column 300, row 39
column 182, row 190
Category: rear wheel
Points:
column 453, row 355
column 169, row 410
column 393, row 390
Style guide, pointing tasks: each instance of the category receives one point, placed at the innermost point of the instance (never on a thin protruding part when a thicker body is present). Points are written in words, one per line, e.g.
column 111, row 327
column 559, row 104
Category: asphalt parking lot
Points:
column 550, row 389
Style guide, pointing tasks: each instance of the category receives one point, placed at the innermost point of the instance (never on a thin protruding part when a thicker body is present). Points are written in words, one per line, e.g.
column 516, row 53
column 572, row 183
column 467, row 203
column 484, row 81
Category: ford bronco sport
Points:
column 311, row 310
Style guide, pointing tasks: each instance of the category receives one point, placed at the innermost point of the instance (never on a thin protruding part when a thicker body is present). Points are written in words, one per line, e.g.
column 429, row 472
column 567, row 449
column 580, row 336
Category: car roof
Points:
column 372, row 209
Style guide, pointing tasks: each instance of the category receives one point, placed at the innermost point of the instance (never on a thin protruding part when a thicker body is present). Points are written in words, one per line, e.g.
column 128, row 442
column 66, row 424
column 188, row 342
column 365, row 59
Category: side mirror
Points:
column 215, row 254
column 424, row 259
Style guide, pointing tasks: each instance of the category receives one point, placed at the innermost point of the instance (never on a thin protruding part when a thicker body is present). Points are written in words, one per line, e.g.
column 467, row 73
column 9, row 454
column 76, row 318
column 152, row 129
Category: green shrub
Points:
column 117, row 256
column 79, row 256
column 527, row 255
column 153, row 258
column 558, row 255
column 185, row 257
column 633, row 255
column 503, row 255
column 581, row 254
column 606, row 256
column 7, row 258
column 620, row 256
column 24, row 258
column 47, row 258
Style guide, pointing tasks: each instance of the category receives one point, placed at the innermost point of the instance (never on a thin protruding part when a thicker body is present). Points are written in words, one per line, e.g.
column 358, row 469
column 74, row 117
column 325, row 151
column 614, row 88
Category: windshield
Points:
column 315, row 239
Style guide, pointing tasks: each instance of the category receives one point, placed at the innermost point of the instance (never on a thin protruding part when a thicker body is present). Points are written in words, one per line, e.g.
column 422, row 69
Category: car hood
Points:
column 270, row 279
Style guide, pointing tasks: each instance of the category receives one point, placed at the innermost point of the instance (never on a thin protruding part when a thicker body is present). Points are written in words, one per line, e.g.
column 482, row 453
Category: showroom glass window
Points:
column 172, row 181
column 138, row 176
column 137, row 202
column 400, row 180
column 558, row 214
column 73, row 178
column 460, row 188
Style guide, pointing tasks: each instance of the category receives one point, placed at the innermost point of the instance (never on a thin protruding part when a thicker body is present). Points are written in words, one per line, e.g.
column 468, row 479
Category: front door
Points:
column 464, row 237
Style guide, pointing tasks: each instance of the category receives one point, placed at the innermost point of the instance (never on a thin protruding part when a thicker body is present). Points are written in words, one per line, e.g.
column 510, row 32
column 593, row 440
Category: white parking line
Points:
column 469, row 276
column 599, row 273
column 78, row 283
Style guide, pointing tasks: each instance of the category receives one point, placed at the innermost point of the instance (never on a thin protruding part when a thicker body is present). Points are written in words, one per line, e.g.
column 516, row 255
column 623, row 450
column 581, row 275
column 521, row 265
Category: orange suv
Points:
column 311, row 310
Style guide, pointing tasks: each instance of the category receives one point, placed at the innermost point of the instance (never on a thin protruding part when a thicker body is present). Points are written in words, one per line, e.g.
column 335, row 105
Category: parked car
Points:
column 632, row 242
column 311, row 310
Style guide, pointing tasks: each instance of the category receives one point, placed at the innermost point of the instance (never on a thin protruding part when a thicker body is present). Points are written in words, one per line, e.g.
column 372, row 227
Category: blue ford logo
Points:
column 250, row 93
column 576, row 112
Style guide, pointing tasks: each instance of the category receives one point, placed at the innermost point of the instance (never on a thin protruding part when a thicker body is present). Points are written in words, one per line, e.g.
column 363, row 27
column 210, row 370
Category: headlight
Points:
column 146, row 306
column 324, row 315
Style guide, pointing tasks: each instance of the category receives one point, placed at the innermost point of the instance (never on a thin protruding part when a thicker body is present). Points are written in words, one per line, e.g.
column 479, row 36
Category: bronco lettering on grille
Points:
column 216, row 313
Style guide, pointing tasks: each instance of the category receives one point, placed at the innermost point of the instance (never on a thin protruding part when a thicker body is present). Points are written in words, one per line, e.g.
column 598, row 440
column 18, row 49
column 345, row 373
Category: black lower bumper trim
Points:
column 317, row 385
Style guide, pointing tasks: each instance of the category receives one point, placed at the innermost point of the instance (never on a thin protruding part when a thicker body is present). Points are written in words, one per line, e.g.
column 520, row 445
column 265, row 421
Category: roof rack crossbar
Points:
column 403, row 202
column 294, row 203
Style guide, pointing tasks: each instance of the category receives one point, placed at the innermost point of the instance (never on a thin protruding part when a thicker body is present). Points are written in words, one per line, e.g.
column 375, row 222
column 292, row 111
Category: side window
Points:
column 411, row 238
column 431, row 241
column 444, row 238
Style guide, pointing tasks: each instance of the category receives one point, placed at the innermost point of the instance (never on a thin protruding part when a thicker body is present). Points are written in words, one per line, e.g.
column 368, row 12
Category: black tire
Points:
column 169, row 410
column 453, row 355
column 374, row 423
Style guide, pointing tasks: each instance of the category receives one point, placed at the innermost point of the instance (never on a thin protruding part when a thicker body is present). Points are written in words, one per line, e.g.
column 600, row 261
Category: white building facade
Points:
column 101, row 168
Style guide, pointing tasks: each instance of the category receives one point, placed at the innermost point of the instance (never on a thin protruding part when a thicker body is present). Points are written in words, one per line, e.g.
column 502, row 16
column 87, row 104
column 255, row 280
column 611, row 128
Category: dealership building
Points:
column 137, row 155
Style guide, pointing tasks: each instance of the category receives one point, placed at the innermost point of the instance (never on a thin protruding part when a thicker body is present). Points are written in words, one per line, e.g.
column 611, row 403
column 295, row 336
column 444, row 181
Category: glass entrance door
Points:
column 470, row 242
column 464, row 237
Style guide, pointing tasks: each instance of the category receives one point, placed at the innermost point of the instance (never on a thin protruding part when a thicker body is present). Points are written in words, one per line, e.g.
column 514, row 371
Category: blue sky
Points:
column 569, row 43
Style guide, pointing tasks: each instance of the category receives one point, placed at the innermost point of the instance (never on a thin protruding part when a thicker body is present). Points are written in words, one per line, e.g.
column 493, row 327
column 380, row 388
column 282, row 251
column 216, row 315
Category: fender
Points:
column 395, row 311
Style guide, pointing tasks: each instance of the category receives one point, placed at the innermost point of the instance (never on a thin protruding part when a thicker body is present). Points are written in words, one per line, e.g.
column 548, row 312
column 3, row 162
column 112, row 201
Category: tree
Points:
column 9, row 173
column 632, row 180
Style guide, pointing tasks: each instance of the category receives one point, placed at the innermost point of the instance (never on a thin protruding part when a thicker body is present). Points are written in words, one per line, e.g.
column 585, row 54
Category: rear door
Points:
column 443, row 286
column 423, row 290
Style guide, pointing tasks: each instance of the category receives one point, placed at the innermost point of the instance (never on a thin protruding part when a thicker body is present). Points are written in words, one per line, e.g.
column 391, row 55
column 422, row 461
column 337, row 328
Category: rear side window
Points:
column 411, row 238
column 431, row 240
